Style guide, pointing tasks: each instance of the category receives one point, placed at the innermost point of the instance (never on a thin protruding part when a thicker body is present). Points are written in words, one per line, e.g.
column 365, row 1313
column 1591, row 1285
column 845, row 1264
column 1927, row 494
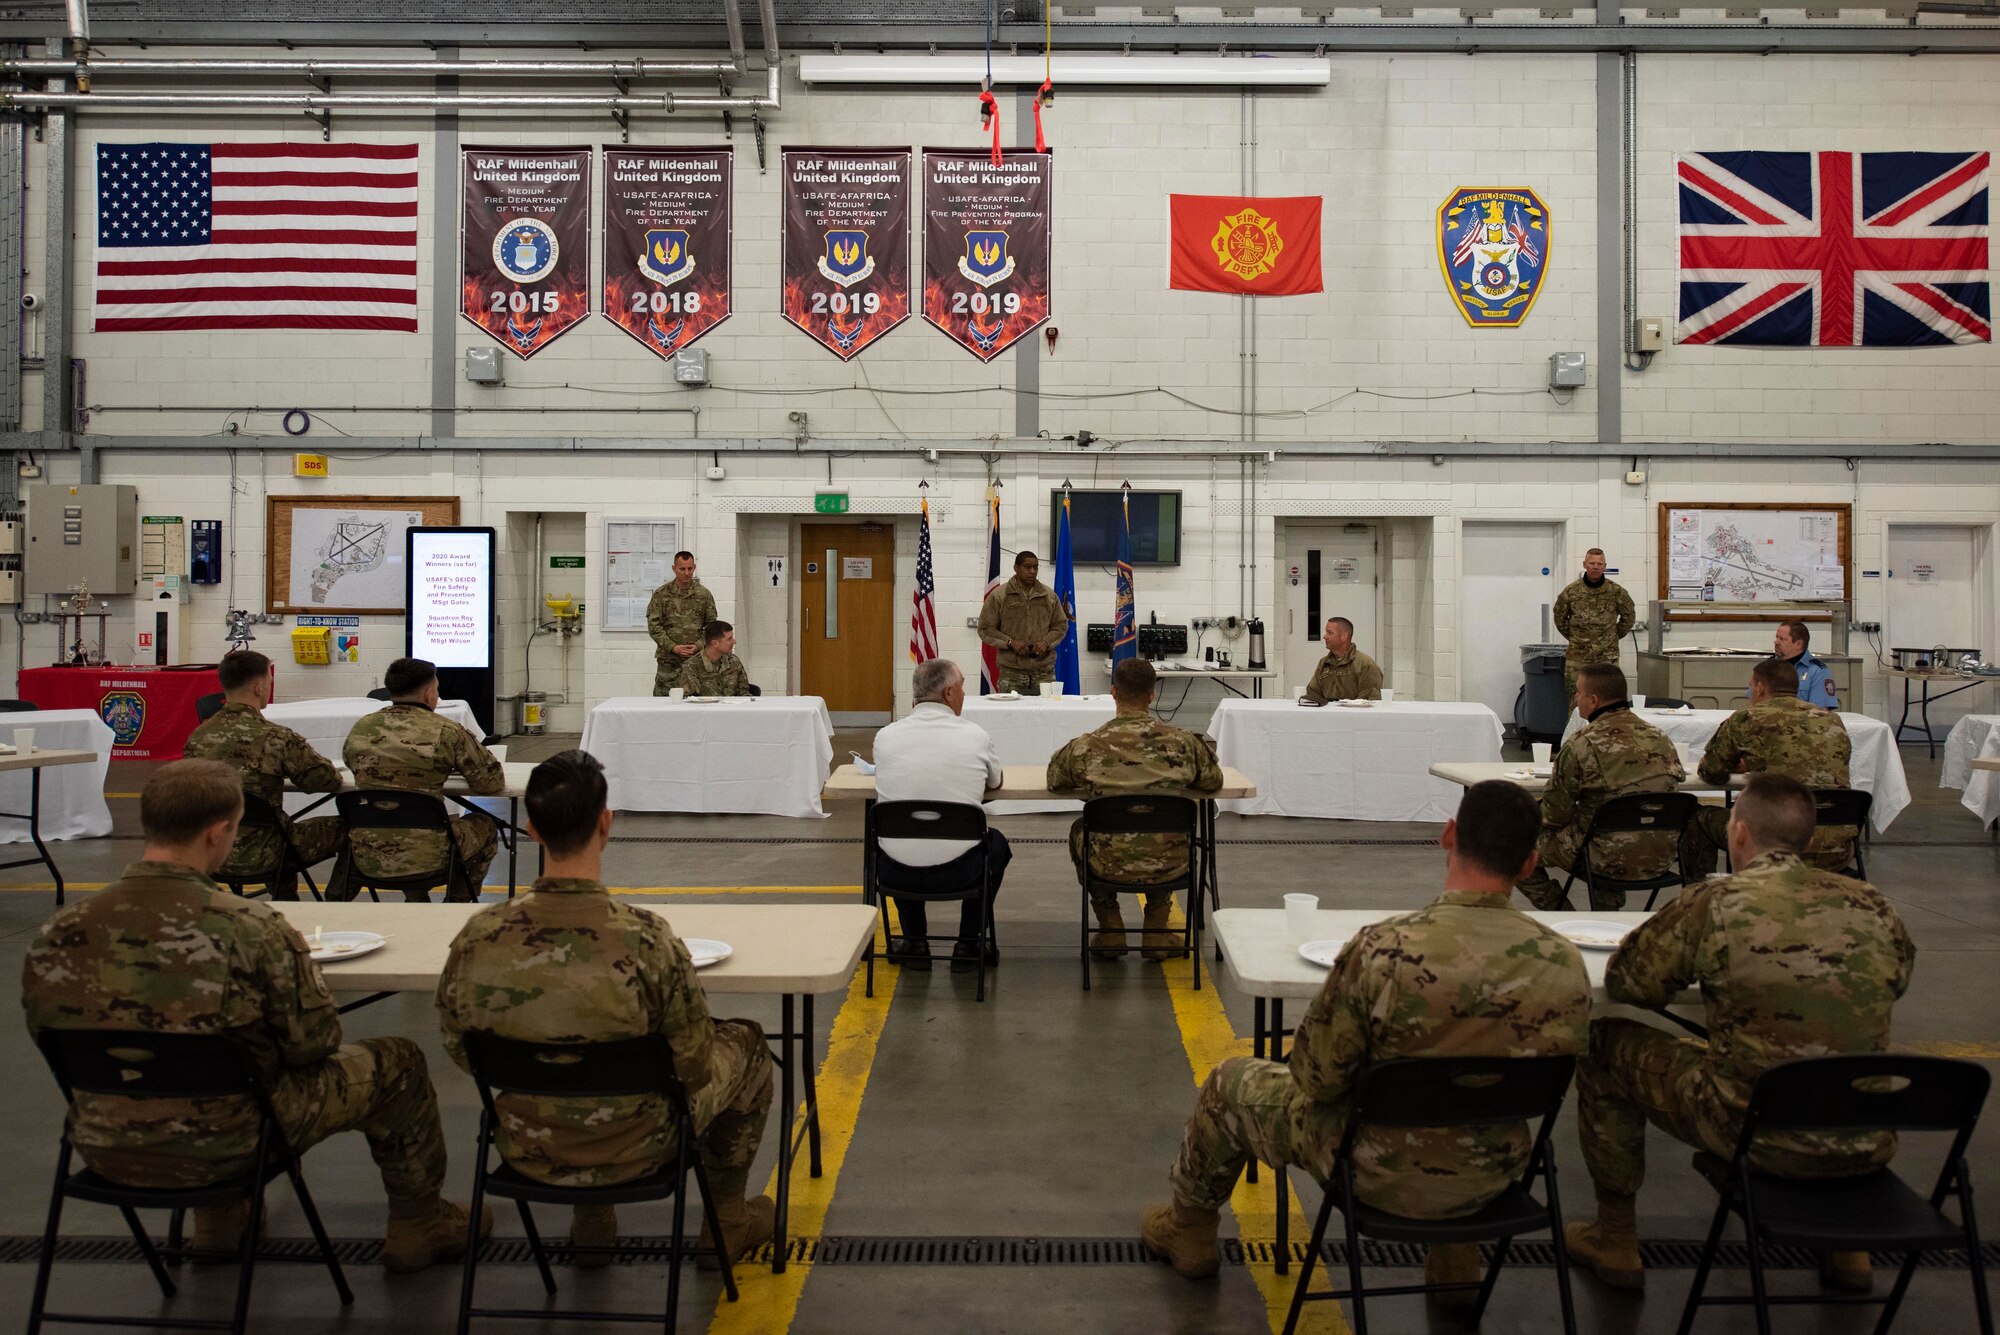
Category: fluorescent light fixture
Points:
column 1071, row 71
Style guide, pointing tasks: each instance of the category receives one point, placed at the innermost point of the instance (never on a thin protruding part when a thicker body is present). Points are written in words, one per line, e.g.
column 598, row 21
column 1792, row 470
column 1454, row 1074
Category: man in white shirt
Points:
column 935, row 756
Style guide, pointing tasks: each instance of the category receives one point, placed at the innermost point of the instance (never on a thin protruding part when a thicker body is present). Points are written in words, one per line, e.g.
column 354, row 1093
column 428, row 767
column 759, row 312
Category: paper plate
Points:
column 1593, row 933
column 707, row 951
column 1355, row 704
column 332, row 947
column 1004, row 695
column 1322, row 953
column 702, row 699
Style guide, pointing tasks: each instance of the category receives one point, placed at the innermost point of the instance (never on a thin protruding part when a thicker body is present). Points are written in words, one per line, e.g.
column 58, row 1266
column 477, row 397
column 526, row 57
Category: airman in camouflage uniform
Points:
column 1133, row 753
column 1593, row 613
column 1345, row 673
column 567, row 963
column 1467, row 976
column 1791, row 962
column 268, row 756
column 715, row 670
column 408, row 748
column 1781, row 734
column 675, row 615
column 164, row 950
column 1616, row 753
column 1025, row 621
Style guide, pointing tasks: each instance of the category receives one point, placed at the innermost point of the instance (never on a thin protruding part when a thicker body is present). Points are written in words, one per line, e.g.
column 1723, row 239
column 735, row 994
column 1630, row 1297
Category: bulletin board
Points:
column 1755, row 551
column 638, row 558
column 350, row 551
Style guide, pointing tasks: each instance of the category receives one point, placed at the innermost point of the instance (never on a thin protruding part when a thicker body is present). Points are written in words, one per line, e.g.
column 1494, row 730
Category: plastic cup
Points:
column 1052, row 688
column 676, row 693
column 1638, row 702
column 1299, row 910
column 24, row 741
column 499, row 753
column 1542, row 752
column 1388, row 696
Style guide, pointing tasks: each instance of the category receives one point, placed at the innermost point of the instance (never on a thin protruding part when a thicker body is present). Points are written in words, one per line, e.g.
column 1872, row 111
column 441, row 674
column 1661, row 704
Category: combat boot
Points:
column 1108, row 943
column 1159, row 940
column 1847, row 1272
column 219, row 1228
column 1453, row 1263
column 746, row 1224
column 1183, row 1237
column 1609, row 1246
column 593, row 1226
column 429, row 1234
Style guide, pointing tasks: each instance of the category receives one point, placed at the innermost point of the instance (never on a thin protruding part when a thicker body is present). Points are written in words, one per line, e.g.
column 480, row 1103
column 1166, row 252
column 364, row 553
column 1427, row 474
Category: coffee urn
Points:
column 1256, row 627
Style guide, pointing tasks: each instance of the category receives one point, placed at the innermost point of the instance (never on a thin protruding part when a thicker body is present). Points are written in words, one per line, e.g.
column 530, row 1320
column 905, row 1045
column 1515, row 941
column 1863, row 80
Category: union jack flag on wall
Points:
column 1833, row 249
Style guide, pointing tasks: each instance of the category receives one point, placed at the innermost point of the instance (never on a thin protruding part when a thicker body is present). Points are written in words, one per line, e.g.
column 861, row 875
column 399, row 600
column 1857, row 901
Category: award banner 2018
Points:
column 847, row 244
column 525, row 241
column 667, row 243
column 986, row 246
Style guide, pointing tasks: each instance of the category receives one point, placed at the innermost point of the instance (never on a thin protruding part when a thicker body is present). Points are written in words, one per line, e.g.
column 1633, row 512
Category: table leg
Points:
column 1281, row 1260
column 513, row 844
column 812, row 1089
column 1930, row 737
column 35, row 828
column 779, row 1241
column 1904, row 722
column 1256, row 1050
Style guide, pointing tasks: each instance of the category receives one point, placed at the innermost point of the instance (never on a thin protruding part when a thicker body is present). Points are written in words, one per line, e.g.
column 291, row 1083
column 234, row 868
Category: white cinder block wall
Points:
column 1381, row 356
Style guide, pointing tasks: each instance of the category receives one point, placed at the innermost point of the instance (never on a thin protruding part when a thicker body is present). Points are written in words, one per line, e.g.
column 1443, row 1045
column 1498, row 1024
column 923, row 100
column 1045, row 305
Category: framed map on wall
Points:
column 343, row 553
column 1756, row 551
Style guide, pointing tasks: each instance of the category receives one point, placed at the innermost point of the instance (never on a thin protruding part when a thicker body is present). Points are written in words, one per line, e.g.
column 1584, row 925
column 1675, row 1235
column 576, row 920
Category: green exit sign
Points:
column 830, row 503
column 565, row 563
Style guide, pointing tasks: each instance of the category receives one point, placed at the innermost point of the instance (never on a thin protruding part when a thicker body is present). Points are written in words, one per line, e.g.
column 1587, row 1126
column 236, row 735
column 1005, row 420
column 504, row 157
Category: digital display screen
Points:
column 1096, row 518
column 451, row 596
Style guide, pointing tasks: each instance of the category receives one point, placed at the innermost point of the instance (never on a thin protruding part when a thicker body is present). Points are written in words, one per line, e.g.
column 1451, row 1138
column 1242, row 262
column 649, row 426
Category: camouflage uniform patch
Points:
column 1593, row 621
column 569, row 964
column 1133, row 753
column 725, row 676
column 1467, row 976
column 269, row 755
column 1355, row 677
column 410, row 749
column 672, row 618
column 1615, row 754
column 165, row 951
column 1791, row 962
column 1783, row 735
column 1033, row 616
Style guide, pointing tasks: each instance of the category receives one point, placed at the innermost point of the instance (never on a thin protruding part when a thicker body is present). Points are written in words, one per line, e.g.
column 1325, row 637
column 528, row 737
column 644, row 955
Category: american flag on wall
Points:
column 1833, row 249
column 923, row 616
column 256, row 236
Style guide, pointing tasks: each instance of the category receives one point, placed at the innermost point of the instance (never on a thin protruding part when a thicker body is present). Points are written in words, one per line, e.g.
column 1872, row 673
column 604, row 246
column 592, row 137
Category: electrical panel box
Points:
column 205, row 561
column 10, row 588
column 1648, row 334
column 483, row 366
column 10, row 537
column 691, row 366
column 82, row 534
column 1566, row 370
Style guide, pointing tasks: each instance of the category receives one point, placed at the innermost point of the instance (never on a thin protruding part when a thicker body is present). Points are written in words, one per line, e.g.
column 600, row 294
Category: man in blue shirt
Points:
column 1815, row 678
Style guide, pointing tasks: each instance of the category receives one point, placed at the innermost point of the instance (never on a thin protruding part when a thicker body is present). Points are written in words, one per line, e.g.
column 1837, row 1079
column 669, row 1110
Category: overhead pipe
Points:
column 636, row 68
column 732, row 21
column 767, row 16
column 79, row 24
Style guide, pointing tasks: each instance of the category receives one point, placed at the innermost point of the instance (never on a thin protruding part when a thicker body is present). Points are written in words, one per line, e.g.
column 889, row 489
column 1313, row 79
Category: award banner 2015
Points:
column 986, row 246
column 667, row 243
column 525, row 243
column 847, row 244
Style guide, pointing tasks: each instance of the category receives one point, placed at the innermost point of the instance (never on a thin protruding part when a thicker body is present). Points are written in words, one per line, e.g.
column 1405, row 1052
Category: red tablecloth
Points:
column 150, row 710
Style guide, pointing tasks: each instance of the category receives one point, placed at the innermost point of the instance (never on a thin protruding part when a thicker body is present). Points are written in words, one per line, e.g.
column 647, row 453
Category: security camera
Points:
column 30, row 302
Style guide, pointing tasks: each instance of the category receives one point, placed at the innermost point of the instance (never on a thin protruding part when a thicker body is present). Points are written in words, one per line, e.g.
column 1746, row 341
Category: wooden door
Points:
column 847, row 607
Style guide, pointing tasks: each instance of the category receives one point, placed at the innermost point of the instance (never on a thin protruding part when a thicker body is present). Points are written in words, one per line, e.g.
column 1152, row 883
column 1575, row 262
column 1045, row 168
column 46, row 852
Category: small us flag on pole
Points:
column 923, row 616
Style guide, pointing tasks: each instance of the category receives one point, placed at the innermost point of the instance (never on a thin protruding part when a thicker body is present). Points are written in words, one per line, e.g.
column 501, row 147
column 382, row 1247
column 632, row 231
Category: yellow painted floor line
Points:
column 1210, row 1039
column 768, row 1302
column 1951, row 1048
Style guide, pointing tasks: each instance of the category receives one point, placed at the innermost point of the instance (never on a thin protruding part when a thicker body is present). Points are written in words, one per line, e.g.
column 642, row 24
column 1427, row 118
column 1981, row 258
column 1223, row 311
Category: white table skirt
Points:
column 1029, row 730
column 1352, row 764
column 1874, row 765
column 1973, row 737
column 767, row 755
column 73, row 805
column 325, row 724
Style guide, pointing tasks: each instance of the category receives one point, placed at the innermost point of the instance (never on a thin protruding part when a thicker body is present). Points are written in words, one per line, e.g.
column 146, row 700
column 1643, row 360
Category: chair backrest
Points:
column 380, row 693
column 1870, row 1091
column 208, row 706
column 386, row 809
column 259, row 814
column 610, row 1069
column 958, row 821
column 755, row 689
column 1139, row 813
column 1649, row 813
column 1461, row 1091
column 1842, row 806
column 18, row 707
column 140, row 1065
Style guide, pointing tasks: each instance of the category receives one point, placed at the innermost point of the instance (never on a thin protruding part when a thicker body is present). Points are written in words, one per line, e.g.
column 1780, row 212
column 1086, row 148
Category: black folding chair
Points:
column 1667, row 702
column 1663, row 814
column 259, row 815
column 578, row 1071
column 956, row 821
column 18, row 707
column 133, row 1064
column 208, row 706
column 1448, row 1092
column 1145, row 813
column 1846, row 806
column 380, row 693
column 1875, row 1211
column 386, row 809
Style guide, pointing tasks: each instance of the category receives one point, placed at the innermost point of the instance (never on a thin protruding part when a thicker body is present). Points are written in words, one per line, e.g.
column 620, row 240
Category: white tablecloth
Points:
column 1874, row 765
column 767, row 755
column 1972, row 737
column 1352, row 764
column 326, row 723
column 73, row 805
column 1029, row 730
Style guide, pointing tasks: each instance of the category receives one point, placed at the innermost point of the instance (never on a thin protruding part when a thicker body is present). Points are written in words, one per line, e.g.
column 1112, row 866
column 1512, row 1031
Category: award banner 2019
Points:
column 667, row 243
column 986, row 246
column 525, row 241
column 847, row 244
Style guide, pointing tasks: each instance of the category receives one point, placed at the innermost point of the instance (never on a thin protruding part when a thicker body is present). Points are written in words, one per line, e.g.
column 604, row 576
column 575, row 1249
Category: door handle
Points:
column 1291, row 618
column 809, row 618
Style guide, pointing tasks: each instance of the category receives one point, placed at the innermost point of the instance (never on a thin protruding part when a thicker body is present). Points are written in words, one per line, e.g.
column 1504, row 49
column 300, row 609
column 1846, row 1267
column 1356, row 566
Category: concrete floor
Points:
column 1044, row 1114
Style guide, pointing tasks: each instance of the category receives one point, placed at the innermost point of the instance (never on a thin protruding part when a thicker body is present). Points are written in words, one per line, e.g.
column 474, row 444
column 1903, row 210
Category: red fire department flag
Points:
column 1260, row 246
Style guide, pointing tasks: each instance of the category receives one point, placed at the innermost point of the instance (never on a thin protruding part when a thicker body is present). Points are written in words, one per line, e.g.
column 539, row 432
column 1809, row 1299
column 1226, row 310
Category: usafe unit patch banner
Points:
column 1493, row 245
column 1260, row 247
column 667, row 243
column 1875, row 250
column 525, row 238
column 256, row 236
column 847, row 244
column 986, row 246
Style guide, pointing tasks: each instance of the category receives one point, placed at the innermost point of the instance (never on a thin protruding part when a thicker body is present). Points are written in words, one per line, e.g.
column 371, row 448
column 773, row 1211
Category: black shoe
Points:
column 964, row 957
column 911, row 954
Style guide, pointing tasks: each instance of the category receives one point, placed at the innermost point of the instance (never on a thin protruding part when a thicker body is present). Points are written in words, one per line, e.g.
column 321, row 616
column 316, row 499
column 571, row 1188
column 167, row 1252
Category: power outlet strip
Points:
column 1866, row 627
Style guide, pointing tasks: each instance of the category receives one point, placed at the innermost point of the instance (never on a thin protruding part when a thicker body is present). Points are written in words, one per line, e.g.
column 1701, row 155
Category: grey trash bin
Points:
column 1542, row 709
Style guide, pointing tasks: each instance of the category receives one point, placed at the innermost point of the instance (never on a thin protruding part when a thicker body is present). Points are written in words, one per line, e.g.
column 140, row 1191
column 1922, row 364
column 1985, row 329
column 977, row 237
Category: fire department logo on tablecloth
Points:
column 124, row 712
column 1493, row 245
